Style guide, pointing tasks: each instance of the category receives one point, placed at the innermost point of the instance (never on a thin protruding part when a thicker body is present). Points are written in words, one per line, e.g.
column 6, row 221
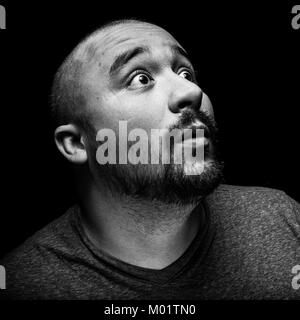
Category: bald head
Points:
column 68, row 96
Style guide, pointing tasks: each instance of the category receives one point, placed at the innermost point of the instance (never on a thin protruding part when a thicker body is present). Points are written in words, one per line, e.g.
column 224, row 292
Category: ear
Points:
column 70, row 143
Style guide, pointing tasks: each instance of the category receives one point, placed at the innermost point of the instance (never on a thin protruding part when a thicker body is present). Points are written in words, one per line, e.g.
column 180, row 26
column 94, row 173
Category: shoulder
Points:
column 52, row 235
column 255, row 210
column 40, row 256
column 251, row 197
column 257, row 237
column 255, row 206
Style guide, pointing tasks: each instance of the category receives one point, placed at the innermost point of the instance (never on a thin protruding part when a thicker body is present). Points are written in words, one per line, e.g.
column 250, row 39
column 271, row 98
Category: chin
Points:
column 197, row 167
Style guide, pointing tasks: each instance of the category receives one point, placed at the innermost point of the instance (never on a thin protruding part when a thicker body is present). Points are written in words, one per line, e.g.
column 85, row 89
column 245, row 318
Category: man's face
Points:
column 139, row 73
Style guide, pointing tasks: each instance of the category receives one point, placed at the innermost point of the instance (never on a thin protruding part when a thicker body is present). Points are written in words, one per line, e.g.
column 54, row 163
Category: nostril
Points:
column 200, row 99
column 187, row 95
column 193, row 102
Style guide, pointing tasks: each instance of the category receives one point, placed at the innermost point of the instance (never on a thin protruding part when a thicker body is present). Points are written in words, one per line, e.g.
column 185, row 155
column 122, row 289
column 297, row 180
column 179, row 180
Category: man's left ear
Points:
column 70, row 143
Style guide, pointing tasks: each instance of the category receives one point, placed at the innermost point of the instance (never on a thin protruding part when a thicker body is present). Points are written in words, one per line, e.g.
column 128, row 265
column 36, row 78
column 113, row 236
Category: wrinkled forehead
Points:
column 114, row 39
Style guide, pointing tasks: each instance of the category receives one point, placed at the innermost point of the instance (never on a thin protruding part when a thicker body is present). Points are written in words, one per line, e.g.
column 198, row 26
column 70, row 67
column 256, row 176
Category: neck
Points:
column 140, row 232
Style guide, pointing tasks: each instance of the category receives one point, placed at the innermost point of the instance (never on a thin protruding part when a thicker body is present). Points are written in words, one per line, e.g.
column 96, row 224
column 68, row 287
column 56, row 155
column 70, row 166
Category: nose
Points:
column 184, row 94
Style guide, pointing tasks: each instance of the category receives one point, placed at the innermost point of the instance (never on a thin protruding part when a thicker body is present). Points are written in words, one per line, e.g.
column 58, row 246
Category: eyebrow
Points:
column 123, row 58
column 179, row 50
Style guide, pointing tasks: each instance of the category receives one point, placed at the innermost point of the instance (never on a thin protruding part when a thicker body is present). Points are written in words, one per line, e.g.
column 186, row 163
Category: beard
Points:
column 167, row 183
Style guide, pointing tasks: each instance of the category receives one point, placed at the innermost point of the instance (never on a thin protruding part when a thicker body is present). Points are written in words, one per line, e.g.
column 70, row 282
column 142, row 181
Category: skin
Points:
column 142, row 233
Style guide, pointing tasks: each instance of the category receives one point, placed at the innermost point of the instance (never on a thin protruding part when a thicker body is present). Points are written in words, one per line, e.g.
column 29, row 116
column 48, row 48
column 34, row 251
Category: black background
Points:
column 247, row 57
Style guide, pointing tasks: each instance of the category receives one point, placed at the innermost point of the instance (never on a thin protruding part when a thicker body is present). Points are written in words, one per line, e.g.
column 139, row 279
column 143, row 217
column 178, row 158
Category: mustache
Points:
column 188, row 119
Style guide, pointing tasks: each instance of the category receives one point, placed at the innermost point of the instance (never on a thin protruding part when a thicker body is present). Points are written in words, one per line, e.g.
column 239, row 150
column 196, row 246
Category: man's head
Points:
column 136, row 72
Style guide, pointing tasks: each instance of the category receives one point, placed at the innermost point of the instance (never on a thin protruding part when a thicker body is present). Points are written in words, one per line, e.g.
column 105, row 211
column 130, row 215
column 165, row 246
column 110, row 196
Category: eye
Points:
column 186, row 74
column 140, row 79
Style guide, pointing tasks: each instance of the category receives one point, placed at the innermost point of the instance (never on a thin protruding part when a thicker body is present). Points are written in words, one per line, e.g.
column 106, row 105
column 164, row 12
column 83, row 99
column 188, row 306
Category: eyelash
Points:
column 135, row 73
column 141, row 71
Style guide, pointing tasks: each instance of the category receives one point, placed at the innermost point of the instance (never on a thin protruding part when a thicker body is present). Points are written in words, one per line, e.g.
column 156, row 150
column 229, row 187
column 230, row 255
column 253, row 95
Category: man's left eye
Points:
column 186, row 74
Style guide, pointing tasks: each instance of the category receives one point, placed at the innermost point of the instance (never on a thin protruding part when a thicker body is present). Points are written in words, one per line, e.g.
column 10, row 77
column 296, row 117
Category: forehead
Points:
column 113, row 40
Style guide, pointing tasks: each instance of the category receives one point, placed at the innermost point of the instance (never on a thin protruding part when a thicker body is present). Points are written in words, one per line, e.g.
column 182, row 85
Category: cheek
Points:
column 140, row 112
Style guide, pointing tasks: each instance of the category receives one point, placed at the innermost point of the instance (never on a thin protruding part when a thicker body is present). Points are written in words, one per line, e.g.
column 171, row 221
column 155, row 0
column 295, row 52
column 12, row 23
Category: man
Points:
column 145, row 230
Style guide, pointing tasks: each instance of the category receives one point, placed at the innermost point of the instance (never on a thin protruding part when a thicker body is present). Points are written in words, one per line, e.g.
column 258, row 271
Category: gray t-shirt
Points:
column 249, row 248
